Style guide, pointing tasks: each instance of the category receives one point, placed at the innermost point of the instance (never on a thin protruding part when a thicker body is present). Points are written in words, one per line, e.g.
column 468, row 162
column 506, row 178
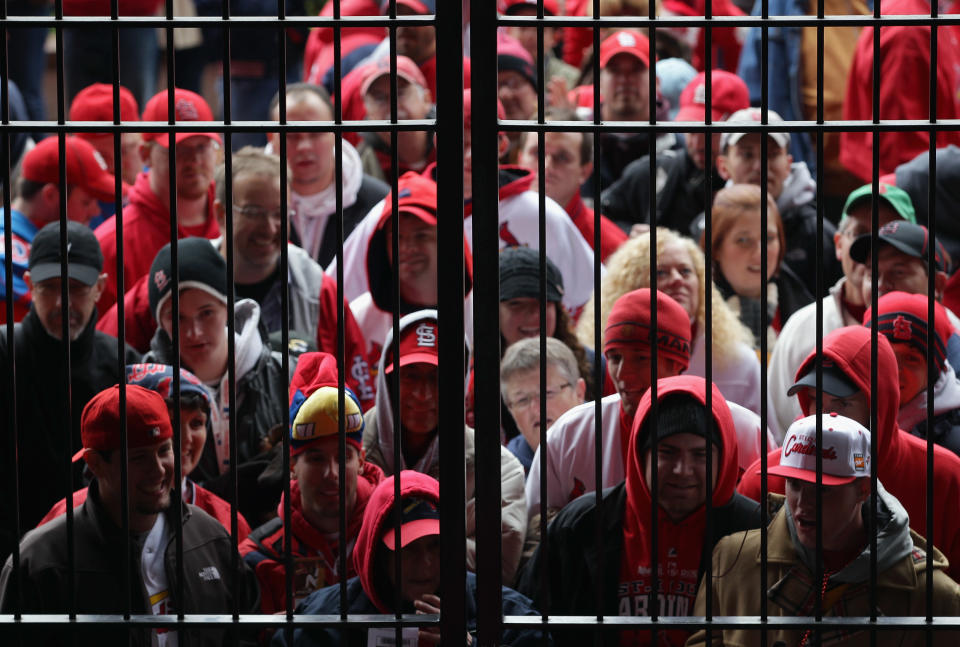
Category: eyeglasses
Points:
column 51, row 289
column 253, row 212
column 404, row 93
column 524, row 401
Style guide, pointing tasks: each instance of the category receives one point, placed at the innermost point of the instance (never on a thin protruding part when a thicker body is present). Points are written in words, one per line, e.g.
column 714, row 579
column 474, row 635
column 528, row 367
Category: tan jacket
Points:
column 792, row 592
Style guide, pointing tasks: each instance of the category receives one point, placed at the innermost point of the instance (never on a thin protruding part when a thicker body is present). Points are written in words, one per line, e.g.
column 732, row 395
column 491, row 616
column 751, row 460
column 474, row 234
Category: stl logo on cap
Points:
column 891, row 227
column 186, row 111
column 700, row 94
column 902, row 329
column 426, row 335
column 160, row 279
column 155, row 432
column 626, row 39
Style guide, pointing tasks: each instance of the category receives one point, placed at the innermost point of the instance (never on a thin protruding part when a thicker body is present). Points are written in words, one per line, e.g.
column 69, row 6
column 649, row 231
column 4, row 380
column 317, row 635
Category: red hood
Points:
column 512, row 180
column 638, row 493
column 375, row 520
column 849, row 349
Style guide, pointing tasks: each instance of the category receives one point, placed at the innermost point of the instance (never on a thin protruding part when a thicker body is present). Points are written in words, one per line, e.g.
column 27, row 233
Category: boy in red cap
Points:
column 314, row 488
column 902, row 319
column 570, row 442
column 95, row 103
column 100, row 542
column 146, row 218
column 791, row 545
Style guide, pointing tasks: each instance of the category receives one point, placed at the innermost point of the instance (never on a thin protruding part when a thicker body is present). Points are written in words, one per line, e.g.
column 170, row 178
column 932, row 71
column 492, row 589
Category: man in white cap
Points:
column 844, row 545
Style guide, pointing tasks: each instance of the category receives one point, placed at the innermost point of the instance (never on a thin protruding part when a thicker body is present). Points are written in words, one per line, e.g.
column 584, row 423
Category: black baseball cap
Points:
column 835, row 381
column 520, row 275
column 84, row 257
column 907, row 237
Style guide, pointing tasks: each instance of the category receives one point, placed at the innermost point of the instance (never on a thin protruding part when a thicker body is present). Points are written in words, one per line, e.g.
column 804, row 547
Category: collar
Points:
column 52, row 348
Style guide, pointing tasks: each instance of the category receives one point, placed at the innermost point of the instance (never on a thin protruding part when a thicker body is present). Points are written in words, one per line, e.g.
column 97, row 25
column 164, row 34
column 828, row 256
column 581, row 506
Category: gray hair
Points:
column 248, row 159
column 524, row 356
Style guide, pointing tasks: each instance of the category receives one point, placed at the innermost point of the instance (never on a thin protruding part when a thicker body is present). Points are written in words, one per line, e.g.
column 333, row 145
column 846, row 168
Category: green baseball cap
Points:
column 897, row 198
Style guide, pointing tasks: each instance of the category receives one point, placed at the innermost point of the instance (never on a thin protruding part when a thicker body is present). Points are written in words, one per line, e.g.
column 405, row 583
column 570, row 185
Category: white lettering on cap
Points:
column 626, row 39
column 426, row 335
column 700, row 94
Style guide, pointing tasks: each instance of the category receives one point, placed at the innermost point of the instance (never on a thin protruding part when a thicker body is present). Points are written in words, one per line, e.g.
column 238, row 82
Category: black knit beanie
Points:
column 201, row 267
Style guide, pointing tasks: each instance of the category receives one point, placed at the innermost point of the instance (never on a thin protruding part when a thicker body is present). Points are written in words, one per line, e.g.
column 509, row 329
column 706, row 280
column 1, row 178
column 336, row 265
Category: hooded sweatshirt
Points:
column 680, row 544
column 378, row 443
column 946, row 411
column 315, row 554
column 146, row 228
column 901, row 460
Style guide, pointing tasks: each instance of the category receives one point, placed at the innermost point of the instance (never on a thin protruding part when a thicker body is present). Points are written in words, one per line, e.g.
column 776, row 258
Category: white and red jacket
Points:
column 571, row 457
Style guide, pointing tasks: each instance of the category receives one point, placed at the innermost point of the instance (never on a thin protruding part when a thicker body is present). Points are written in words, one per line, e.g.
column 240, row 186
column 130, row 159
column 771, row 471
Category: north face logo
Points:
column 426, row 335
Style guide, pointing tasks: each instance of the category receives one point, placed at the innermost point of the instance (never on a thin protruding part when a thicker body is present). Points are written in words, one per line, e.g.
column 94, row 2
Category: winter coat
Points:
column 359, row 192
column 261, row 404
column 904, row 56
column 679, row 188
column 913, row 176
column 146, row 228
column 625, row 511
column 570, row 451
column 901, row 460
column 518, row 222
column 900, row 591
column 364, row 591
column 378, row 444
column 209, row 577
column 946, row 412
column 46, row 431
column 192, row 494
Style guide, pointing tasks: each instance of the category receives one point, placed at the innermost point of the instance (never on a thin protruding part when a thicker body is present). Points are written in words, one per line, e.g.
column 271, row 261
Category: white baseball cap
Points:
column 845, row 449
column 752, row 116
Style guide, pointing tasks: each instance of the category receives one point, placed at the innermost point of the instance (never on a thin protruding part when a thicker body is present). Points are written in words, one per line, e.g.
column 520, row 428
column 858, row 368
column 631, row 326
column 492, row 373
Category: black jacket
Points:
column 99, row 579
column 800, row 232
column 575, row 558
column 371, row 192
column 946, row 430
column 679, row 187
column 46, row 431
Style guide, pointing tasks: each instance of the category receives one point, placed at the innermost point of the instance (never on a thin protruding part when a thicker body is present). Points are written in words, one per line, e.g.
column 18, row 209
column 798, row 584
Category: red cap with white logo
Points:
column 187, row 106
column 418, row 345
column 625, row 42
column 845, row 447
column 148, row 421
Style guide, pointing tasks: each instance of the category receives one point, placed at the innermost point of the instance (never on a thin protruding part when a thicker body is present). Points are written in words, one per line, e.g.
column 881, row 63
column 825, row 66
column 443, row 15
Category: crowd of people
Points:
column 710, row 287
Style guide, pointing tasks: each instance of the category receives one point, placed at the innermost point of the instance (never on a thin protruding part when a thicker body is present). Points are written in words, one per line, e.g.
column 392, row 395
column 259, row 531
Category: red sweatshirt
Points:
column 611, row 236
column 901, row 458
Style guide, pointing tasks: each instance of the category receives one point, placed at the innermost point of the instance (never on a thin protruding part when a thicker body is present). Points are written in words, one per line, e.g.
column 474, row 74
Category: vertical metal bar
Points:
column 599, row 538
column 764, row 102
column 932, row 372
column 450, row 309
column 818, row 250
column 654, row 351
column 874, row 296
column 708, row 305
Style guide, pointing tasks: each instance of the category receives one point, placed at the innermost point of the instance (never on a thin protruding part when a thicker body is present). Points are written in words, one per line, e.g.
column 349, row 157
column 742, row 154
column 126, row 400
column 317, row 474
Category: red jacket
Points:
column 901, row 458
column 146, row 228
column 904, row 90
column 611, row 236
column 102, row 7
column 203, row 499
column 680, row 545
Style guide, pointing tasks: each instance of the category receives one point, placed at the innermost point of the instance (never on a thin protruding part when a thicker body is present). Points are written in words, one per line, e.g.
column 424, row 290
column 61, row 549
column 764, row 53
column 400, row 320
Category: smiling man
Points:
column 315, row 488
column 792, row 547
column 101, row 542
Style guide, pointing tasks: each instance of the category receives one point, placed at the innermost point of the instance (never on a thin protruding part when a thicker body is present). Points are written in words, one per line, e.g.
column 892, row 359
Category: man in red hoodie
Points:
column 675, row 444
column 315, row 489
column 146, row 218
column 901, row 460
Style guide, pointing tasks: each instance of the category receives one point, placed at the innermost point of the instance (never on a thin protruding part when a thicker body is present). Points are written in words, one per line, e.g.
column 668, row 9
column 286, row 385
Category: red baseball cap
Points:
column 95, row 103
column 509, row 7
column 418, row 345
column 86, row 168
column 148, row 421
column 625, row 42
column 416, row 195
column 418, row 518
column 728, row 94
column 187, row 105
column 406, row 69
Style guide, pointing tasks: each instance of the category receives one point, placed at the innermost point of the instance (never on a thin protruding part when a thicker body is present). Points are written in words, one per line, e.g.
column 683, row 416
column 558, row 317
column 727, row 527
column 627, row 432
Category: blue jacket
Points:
column 783, row 72
column 327, row 601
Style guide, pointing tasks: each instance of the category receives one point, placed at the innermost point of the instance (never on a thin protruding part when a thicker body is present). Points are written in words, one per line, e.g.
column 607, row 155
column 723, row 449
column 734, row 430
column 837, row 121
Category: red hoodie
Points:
column 314, row 553
column 611, row 236
column 901, row 458
column 376, row 521
column 680, row 545
column 146, row 228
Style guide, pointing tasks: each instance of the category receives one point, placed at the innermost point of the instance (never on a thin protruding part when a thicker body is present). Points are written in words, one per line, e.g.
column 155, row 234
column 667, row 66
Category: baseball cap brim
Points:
column 86, row 274
column 164, row 140
column 643, row 58
column 694, row 113
column 807, row 475
column 412, row 531
column 860, row 249
column 835, row 382
column 782, row 139
column 414, row 358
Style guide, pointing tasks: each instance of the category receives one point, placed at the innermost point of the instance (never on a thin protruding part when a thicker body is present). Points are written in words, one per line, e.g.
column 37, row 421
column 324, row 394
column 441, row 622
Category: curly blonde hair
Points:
column 629, row 269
